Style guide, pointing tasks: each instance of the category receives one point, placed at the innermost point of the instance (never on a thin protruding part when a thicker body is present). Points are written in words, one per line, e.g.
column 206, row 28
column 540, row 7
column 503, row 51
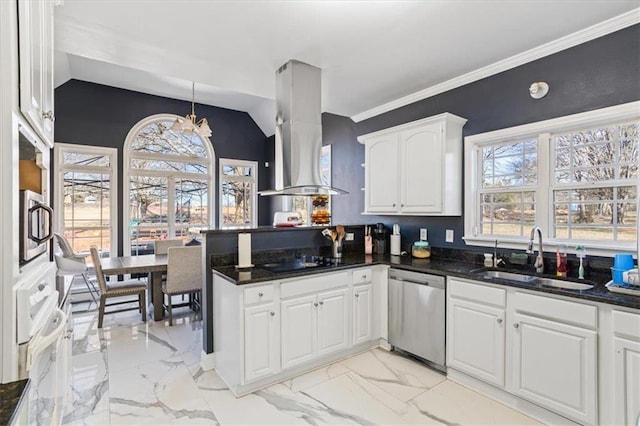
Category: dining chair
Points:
column 118, row 289
column 161, row 246
column 71, row 263
column 184, row 276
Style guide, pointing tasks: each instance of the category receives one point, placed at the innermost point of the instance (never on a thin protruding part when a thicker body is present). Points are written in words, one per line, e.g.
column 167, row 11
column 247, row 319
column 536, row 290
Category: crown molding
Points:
column 598, row 30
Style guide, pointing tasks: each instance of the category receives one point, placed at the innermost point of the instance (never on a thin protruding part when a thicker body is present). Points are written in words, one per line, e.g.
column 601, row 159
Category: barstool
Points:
column 72, row 264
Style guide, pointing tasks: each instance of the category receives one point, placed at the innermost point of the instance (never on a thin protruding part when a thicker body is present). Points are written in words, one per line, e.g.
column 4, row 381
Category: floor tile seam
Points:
column 403, row 403
column 300, row 391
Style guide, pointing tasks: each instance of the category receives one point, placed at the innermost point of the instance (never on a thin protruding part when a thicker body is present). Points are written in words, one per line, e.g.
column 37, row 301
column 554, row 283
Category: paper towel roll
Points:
column 244, row 250
column 395, row 245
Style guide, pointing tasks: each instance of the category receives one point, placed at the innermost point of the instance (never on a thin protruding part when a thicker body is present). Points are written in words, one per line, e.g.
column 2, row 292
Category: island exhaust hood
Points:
column 298, row 132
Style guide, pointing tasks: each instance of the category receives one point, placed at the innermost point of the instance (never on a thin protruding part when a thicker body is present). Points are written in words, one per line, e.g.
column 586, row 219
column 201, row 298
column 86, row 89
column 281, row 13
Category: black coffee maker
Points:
column 380, row 233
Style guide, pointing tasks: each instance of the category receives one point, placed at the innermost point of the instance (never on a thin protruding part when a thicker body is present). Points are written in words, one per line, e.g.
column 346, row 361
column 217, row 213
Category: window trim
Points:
column 127, row 171
column 59, row 169
column 254, row 198
column 541, row 130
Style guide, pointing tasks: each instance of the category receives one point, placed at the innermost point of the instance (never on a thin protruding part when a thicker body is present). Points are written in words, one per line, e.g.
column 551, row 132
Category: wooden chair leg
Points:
column 103, row 301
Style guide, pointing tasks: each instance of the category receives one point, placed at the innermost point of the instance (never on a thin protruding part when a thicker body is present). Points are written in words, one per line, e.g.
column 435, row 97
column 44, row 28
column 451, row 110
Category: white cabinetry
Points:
column 261, row 341
column 626, row 331
column 476, row 330
column 415, row 168
column 314, row 325
column 299, row 330
column 555, row 355
column 35, row 21
column 542, row 349
column 269, row 332
column 362, row 313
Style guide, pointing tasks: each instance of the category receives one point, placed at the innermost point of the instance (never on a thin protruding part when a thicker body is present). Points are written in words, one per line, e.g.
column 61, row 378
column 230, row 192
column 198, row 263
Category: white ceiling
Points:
column 371, row 53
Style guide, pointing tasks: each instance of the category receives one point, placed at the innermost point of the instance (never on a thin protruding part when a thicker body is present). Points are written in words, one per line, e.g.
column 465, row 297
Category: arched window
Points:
column 168, row 183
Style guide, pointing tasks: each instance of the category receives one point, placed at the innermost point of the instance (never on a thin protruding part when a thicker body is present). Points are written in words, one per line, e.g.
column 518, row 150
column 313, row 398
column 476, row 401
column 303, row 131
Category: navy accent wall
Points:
column 600, row 73
column 98, row 115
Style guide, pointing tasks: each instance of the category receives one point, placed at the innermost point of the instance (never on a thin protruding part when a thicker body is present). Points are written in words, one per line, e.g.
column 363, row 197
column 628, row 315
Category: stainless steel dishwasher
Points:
column 417, row 315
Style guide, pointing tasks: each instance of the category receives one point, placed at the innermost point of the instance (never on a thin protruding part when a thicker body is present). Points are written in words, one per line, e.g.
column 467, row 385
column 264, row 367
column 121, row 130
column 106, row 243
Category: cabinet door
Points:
column 421, row 166
column 476, row 339
column 333, row 321
column 261, row 343
column 35, row 20
column 627, row 381
column 555, row 365
column 298, row 330
column 381, row 175
column 362, row 312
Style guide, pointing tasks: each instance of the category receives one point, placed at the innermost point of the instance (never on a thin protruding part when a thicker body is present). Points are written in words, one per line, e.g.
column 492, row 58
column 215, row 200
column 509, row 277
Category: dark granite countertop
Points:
column 438, row 266
column 11, row 397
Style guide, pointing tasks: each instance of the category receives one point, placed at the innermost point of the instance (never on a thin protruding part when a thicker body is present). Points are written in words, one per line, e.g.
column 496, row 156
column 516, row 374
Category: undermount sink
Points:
column 532, row 279
column 569, row 285
column 508, row 276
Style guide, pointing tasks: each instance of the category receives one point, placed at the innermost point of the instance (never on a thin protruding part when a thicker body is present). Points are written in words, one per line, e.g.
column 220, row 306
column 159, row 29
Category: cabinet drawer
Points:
column 259, row 294
column 313, row 284
column 477, row 293
column 362, row 276
column 560, row 310
column 626, row 324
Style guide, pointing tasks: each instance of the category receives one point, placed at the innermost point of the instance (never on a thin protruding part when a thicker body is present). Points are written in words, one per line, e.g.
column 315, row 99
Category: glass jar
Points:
column 320, row 214
column 421, row 249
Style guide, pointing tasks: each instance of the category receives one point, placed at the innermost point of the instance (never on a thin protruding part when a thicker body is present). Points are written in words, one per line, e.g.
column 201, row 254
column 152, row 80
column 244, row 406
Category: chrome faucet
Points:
column 539, row 264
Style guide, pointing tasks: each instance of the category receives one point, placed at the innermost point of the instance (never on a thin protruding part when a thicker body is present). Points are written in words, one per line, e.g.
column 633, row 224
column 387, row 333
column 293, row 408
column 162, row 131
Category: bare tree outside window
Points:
column 238, row 196
column 169, row 174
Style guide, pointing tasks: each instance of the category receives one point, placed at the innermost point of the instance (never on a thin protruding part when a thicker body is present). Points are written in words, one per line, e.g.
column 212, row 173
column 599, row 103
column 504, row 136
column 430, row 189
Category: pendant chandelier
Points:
column 189, row 123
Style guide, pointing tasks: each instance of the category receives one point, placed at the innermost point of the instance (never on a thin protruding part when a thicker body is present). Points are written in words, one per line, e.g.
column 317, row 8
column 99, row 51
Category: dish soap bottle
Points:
column 561, row 257
column 581, row 253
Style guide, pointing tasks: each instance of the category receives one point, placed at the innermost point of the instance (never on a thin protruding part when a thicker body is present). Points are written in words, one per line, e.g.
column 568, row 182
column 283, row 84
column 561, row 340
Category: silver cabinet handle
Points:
column 315, row 304
column 516, row 325
column 357, row 294
column 499, row 320
column 394, row 204
column 321, row 302
column 364, row 276
column 260, row 294
column 272, row 313
column 401, row 204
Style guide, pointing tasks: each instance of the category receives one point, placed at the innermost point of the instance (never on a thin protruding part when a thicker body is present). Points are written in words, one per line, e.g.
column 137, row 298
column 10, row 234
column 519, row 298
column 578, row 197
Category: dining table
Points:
column 153, row 264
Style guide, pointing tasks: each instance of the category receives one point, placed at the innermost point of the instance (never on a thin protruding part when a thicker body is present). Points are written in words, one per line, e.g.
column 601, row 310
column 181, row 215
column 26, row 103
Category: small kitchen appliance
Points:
column 287, row 219
column 380, row 233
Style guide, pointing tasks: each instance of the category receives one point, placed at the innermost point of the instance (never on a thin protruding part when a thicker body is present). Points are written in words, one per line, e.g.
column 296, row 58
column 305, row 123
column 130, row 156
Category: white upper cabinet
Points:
column 415, row 169
column 35, row 24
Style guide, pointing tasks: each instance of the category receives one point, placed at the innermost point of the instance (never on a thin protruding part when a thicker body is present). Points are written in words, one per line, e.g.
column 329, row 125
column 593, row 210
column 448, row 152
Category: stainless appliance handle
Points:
column 425, row 283
column 49, row 235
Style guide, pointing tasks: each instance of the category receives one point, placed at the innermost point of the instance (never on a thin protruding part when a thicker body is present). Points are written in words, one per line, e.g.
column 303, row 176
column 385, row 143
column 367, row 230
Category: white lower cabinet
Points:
column 333, row 321
column 314, row 325
column 261, row 341
column 476, row 340
column 362, row 313
column 626, row 346
column 627, row 381
column 542, row 349
column 555, row 365
column 299, row 330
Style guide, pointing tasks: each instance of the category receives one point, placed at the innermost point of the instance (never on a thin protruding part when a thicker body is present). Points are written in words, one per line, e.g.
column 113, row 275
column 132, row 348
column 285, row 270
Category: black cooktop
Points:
column 307, row 262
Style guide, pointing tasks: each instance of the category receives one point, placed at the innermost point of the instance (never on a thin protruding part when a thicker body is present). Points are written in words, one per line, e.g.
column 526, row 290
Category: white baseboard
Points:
column 208, row 361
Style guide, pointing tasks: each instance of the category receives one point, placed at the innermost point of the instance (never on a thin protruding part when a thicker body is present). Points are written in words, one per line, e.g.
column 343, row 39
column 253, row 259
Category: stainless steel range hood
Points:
column 298, row 132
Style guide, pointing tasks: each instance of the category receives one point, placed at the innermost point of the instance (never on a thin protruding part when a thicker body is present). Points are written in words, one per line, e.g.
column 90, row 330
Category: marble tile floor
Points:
column 132, row 373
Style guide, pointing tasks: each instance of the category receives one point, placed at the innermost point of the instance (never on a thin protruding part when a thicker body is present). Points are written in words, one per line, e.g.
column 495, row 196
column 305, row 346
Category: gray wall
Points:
column 600, row 73
column 97, row 115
